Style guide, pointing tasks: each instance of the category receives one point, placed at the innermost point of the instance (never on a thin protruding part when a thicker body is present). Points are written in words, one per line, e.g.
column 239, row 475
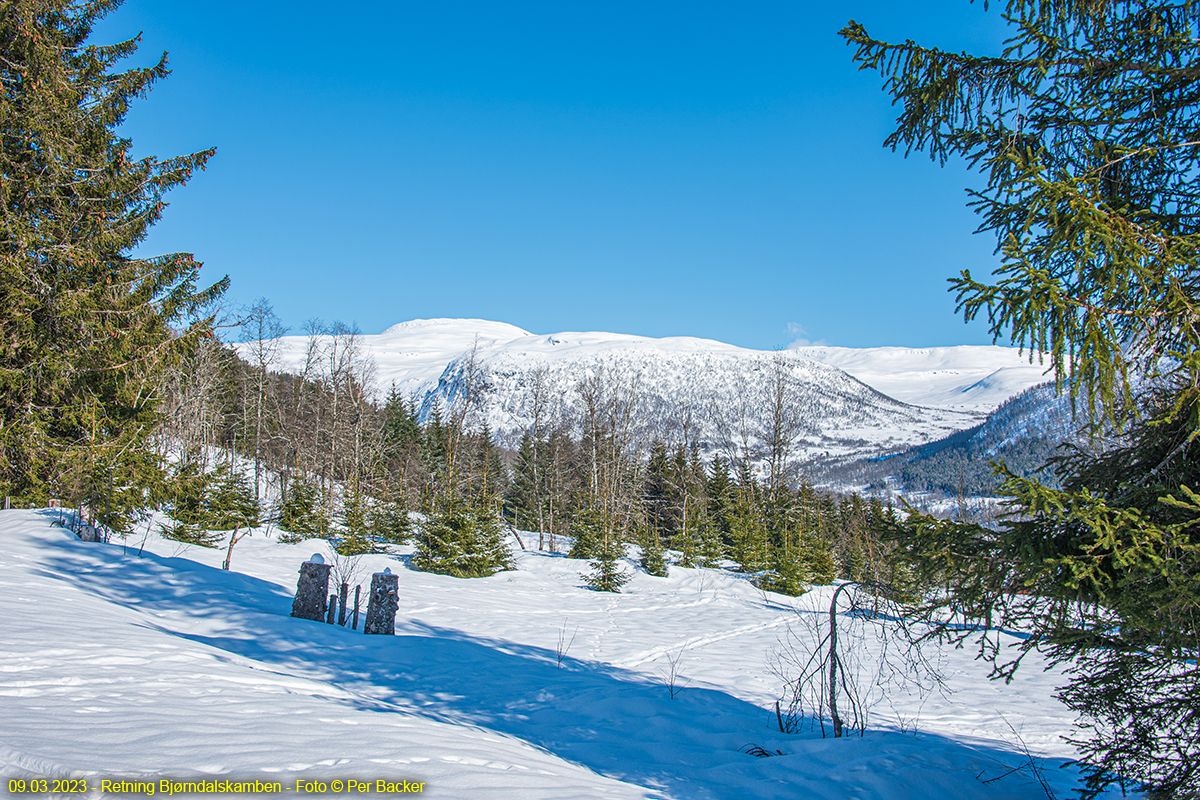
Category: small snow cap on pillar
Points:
column 312, row 589
column 385, row 599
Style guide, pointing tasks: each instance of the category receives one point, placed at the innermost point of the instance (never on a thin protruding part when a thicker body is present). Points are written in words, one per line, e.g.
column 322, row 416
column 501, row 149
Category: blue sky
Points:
column 703, row 169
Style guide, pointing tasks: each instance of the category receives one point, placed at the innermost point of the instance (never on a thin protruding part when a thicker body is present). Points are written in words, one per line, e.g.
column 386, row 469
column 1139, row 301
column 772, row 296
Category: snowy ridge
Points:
column 965, row 377
column 1037, row 413
column 849, row 400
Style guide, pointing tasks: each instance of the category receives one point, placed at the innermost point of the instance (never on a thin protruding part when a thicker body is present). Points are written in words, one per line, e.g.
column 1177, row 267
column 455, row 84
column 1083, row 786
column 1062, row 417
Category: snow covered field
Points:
column 162, row 665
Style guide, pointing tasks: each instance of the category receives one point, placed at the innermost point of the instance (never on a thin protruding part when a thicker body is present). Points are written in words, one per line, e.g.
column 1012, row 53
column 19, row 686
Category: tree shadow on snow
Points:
column 616, row 722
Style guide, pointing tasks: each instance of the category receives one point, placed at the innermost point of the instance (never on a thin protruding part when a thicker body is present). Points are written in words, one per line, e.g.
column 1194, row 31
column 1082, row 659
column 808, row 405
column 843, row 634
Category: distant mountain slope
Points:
column 717, row 391
column 413, row 355
column 1023, row 433
column 965, row 377
column 720, row 394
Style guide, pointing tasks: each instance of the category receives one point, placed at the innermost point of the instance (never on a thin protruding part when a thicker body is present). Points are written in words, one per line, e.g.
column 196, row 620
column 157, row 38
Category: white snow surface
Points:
column 414, row 354
column 161, row 665
column 963, row 377
column 847, row 397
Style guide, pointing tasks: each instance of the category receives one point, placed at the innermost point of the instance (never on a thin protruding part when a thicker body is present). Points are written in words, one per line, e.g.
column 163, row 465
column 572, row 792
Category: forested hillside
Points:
column 1023, row 434
column 329, row 461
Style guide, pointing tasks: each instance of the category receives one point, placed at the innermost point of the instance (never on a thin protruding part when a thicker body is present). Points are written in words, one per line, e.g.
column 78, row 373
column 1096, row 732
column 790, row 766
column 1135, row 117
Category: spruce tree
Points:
column 710, row 549
column 790, row 573
column 120, row 489
column 463, row 539
column 229, row 502
column 653, row 560
column 84, row 327
column 302, row 515
column 588, row 531
column 819, row 561
column 606, row 574
column 520, row 502
column 434, row 456
column 720, row 493
column 231, row 505
column 187, row 506
column 401, row 430
column 356, row 533
column 660, row 497
column 389, row 520
column 751, row 549
column 489, row 478
column 1085, row 132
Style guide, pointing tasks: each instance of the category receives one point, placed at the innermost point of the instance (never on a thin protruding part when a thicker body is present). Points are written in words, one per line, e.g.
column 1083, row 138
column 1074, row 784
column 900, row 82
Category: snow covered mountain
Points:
column 1023, row 433
column 965, row 377
column 843, row 401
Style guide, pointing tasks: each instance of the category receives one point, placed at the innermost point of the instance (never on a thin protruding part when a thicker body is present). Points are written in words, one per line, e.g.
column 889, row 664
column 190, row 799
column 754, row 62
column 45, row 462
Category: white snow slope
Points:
column 966, row 377
column 979, row 378
column 161, row 665
column 681, row 380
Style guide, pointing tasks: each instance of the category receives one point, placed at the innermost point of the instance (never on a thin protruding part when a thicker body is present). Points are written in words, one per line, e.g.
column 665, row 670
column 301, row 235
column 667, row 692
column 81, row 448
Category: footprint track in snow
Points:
column 696, row 641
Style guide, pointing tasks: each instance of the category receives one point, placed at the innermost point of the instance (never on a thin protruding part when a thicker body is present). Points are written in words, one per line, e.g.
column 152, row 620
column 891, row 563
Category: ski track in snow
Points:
column 164, row 665
column 696, row 642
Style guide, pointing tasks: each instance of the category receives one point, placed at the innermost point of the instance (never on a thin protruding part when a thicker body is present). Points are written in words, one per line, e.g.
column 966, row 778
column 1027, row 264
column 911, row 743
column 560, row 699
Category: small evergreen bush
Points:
column 302, row 515
column 606, row 574
column 462, row 539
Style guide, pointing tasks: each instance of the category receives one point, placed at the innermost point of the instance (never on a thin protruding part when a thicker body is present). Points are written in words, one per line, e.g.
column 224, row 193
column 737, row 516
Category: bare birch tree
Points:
column 261, row 332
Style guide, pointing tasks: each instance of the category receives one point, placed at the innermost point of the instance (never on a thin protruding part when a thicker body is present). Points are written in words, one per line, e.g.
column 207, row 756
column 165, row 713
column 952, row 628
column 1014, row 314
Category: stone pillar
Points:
column 311, row 590
column 382, row 605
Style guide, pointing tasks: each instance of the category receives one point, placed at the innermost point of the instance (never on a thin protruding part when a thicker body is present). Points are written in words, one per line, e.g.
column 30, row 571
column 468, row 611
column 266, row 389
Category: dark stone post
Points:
column 382, row 605
column 331, row 615
column 342, row 591
column 311, row 589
